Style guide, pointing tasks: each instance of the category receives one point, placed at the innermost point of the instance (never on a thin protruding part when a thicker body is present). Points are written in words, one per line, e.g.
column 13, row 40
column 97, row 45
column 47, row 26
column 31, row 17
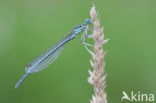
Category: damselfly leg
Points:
column 83, row 37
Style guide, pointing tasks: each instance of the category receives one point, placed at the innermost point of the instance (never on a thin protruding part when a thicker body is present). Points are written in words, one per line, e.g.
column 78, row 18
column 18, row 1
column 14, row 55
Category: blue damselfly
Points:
column 47, row 57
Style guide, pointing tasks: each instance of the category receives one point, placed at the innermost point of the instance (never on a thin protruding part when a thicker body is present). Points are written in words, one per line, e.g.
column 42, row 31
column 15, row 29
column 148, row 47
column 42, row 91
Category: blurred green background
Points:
column 28, row 27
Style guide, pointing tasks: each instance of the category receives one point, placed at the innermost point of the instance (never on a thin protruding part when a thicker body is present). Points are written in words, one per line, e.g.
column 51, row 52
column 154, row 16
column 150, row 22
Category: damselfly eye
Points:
column 88, row 21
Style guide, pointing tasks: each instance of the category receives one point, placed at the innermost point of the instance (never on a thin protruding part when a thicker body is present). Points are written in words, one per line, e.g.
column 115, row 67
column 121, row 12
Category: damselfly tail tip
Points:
column 16, row 86
column 20, row 81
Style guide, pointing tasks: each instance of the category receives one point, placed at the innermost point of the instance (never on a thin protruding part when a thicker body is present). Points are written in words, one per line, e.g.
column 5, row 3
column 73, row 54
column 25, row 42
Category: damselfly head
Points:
column 88, row 21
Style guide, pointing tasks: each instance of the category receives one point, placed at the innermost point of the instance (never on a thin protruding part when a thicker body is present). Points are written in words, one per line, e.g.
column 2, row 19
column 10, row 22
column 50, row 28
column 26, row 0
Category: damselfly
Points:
column 47, row 57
